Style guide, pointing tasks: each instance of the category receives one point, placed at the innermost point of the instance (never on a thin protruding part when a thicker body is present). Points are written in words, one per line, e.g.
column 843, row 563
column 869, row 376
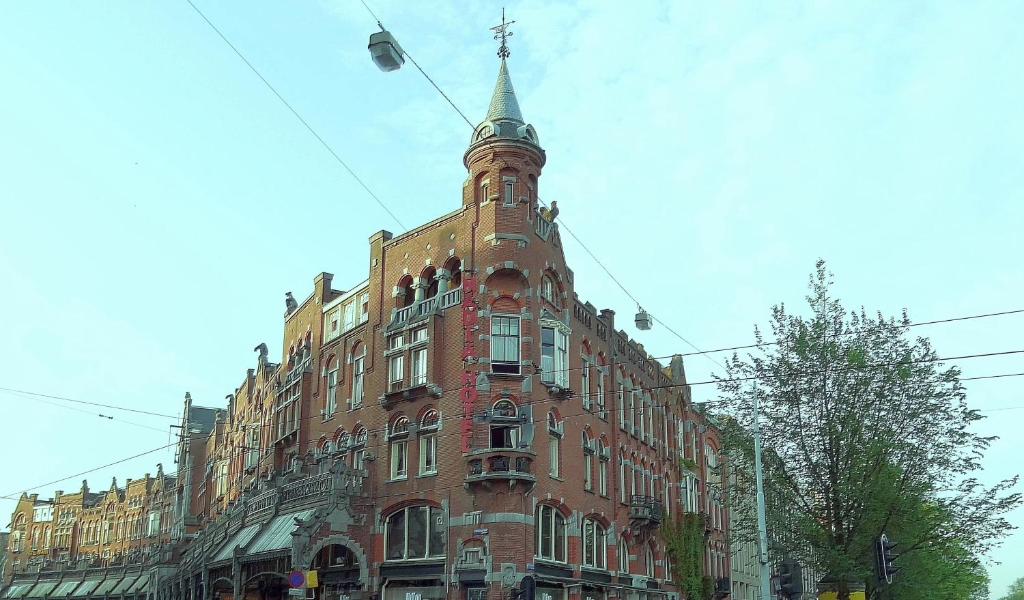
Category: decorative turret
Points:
column 504, row 157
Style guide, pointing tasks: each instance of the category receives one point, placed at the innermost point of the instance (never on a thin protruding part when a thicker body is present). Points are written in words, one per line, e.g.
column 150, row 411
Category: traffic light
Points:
column 527, row 589
column 791, row 580
column 886, row 556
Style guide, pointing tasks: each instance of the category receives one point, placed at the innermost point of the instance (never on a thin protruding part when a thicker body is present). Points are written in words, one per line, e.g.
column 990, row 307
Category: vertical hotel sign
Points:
column 470, row 326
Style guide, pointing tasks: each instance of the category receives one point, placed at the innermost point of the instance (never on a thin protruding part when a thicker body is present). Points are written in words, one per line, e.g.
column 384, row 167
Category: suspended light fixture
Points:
column 643, row 319
column 385, row 51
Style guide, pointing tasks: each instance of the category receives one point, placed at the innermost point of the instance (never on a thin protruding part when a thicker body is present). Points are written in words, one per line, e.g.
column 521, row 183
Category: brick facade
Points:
column 463, row 395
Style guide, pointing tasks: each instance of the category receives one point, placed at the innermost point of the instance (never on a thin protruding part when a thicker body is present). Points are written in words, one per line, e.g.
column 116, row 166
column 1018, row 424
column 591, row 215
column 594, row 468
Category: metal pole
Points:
column 762, row 527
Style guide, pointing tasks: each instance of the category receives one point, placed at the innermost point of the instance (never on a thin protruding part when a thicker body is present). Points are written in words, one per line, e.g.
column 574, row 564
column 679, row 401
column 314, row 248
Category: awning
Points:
column 42, row 589
column 277, row 534
column 241, row 538
column 104, row 588
column 86, row 588
column 17, row 590
column 140, row 585
column 64, row 589
column 125, row 584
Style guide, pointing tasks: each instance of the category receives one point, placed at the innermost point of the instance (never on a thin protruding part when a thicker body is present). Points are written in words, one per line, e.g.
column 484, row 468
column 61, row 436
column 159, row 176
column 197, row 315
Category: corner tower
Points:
column 504, row 157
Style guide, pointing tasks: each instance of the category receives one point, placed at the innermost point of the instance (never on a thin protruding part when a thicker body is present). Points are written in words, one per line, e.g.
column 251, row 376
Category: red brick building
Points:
column 454, row 423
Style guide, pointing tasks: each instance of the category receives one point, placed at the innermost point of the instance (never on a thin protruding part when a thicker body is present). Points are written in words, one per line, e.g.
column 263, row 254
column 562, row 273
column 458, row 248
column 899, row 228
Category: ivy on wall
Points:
column 684, row 543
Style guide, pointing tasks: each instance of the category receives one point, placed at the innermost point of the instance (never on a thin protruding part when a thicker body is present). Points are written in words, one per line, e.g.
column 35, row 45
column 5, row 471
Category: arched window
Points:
column 623, row 556
column 415, row 532
column 505, row 425
column 398, row 434
column 603, row 456
column 428, row 279
column 554, row 444
column 550, row 529
column 588, row 462
column 595, row 545
column 454, row 268
column 429, row 424
column 550, row 291
column 649, row 562
column 404, row 294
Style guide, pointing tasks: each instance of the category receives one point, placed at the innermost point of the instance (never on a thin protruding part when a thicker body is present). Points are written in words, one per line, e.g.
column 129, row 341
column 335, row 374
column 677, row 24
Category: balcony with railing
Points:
column 500, row 463
column 646, row 511
column 543, row 227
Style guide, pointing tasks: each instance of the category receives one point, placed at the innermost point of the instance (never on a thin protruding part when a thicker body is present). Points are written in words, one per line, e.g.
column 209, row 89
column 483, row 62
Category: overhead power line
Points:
column 14, row 496
column 305, row 123
column 87, row 412
column 66, row 399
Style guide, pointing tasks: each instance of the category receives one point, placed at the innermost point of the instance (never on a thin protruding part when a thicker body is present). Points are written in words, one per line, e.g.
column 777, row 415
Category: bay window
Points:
column 551, row 537
column 505, row 334
column 554, row 353
column 416, row 532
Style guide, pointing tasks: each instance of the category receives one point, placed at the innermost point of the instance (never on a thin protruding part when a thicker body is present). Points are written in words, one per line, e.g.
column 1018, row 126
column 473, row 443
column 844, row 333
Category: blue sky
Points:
column 158, row 201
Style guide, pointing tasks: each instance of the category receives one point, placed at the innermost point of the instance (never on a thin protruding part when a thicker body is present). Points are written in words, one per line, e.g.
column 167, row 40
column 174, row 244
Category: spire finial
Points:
column 502, row 33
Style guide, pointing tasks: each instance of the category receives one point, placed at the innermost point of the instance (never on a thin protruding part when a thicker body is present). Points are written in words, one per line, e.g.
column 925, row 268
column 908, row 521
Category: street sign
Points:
column 297, row 579
column 297, row 592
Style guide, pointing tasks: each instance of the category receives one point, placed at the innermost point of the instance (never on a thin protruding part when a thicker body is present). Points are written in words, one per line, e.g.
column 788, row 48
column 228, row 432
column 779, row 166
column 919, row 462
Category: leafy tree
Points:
column 1016, row 590
column 865, row 431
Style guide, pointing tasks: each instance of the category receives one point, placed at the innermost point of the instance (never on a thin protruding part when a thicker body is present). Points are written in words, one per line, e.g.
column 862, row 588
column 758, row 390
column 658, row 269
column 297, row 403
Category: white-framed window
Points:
column 601, row 400
column 332, row 328
column 622, row 478
column 416, row 532
column 635, row 414
column 585, row 385
column 602, row 471
column 358, row 374
column 398, row 434
column 505, row 425
column 554, row 353
column 588, row 462
column 642, row 410
column 396, row 364
column 429, row 425
column 623, row 556
column 485, row 192
column 595, row 544
column 551, row 534
column 332, row 390
column 554, row 445
column 649, row 563
column 349, row 316
column 505, row 349
column 620, row 405
column 510, row 193
column 548, row 289
column 364, row 307
column 419, row 367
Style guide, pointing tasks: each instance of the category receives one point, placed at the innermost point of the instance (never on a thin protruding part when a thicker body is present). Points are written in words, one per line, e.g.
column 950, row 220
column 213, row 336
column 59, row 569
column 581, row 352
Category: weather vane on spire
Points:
column 502, row 33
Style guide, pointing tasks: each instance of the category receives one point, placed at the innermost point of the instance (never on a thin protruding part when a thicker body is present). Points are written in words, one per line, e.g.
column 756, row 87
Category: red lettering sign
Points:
column 468, row 395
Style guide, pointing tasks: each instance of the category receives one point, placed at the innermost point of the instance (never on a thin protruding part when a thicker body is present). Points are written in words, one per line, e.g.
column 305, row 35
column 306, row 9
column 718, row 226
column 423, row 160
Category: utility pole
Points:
column 762, row 526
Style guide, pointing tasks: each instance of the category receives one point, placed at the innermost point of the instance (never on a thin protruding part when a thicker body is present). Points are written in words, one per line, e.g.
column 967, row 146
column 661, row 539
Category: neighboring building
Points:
column 459, row 420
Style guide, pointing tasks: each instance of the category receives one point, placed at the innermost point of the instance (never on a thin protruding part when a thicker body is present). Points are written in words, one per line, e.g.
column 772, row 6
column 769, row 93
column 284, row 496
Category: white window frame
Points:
column 332, row 390
column 555, row 368
column 596, row 546
column 549, row 517
column 502, row 344
column 623, row 557
column 585, row 384
column 358, row 379
column 428, row 554
column 428, row 450
column 419, row 367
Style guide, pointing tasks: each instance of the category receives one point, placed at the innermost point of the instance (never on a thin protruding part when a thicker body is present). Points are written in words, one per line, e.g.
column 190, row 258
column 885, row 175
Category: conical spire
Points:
column 504, row 106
